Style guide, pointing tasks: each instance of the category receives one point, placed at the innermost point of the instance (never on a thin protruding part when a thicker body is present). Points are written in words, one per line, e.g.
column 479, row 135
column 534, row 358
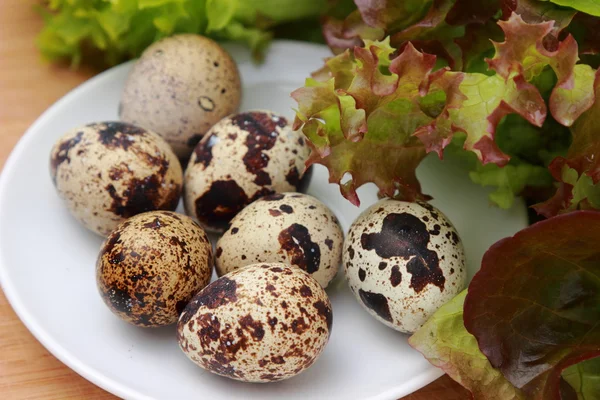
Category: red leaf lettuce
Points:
column 377, row 99
column 530, row 316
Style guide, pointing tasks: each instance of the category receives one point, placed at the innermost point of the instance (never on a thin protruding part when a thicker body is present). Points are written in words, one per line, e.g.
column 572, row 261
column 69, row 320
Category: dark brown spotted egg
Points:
column 292, row 228
column 243, row 157
column 403, row 261
column 262, row 323
column 179, row 88
column 109, row 171
column 151, row 266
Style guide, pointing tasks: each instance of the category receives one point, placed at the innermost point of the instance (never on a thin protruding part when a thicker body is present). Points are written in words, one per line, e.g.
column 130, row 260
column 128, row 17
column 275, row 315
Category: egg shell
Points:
column 242, row 158
column 109, row 171
column 262, row 323
column 151, row 265
column 292, row 228
column 180, row 87
column 403, row 261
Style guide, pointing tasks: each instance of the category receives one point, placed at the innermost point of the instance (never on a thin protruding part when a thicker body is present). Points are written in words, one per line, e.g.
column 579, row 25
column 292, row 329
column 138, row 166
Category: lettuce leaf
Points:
column 361, row 102
column 524, row 52
column 366, row 104
column 449, row 29
column 353, row 115
column 445, row 342
column 578, row 173
column 392, row 14
column 585, row 379
column 122, row 29
column 591, row 7
column 584, row 29
column 533, row 306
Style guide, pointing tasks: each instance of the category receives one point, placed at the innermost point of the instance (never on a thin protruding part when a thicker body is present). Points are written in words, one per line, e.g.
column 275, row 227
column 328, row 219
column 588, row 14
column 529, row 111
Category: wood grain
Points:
column 27, row 87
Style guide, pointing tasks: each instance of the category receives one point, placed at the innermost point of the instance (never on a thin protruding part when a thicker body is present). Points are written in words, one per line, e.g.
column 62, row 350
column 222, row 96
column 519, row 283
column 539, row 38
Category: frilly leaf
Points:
column 392, row 96
column 348, row 33
column 352, row 119
column 524, row 53
column 578, row 173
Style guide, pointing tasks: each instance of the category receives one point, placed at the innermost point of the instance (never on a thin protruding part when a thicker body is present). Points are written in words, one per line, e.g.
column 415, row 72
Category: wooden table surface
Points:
column 27, row 87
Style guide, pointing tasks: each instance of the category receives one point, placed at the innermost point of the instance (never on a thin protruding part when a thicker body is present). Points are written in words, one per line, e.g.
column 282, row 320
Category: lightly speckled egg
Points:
column 262, row 323
column 109, row 171
column 292, row 228
column 151, row 266
column 403, row 261
column 243, row 157
column 180, row 87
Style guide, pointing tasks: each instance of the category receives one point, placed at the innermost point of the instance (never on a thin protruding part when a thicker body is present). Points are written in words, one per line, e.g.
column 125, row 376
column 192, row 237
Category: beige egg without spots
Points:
column 262, row 323
column 292, row 228
column 180, row 87
column 151, row 266
column 109, row 171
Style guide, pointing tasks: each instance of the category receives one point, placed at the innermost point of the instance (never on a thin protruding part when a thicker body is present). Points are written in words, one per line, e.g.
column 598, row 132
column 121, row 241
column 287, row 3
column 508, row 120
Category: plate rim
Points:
column 51, row 344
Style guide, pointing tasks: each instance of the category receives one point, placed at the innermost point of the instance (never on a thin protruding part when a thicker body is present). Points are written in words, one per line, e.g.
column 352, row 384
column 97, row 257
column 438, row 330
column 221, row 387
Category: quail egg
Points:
column 403, row 261
column 151, row 266
column 179, row 88
column 243, row 157
column 262, row 323
column 292, row 228
column 109, row 171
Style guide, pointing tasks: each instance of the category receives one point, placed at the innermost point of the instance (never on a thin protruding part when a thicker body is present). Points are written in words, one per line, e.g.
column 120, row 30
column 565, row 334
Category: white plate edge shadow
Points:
column 52, row 345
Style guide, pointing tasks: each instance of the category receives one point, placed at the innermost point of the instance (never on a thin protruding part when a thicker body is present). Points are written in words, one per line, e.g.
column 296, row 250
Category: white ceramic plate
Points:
column 47, row 263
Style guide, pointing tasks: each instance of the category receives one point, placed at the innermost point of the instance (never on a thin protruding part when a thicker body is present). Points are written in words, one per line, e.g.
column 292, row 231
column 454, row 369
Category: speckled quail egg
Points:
column 109, row 171
column 262, row 323
column 179, row 88
column 403, row 261
column 243, row 157
column 152, row 265
column 292, row 228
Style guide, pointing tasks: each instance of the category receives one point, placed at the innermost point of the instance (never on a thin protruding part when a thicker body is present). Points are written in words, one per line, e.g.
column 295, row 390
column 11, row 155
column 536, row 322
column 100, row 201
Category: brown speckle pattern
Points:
column 289, row 227
column 403, row 261
column 179, row 88
column 152, row 265
column 242, row 339
column 109, row 171
column 242, row 158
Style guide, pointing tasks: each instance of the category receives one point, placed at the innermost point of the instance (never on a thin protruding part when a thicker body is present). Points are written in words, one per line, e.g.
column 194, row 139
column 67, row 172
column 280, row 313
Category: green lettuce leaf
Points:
column 531, row 149
column 533, row 306
column 122, row 29
column 510, row 180
column 591, row 7
column 585, row 379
